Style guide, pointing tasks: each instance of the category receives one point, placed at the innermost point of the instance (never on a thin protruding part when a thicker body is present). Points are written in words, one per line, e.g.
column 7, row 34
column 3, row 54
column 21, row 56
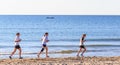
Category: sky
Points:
column 59, row 7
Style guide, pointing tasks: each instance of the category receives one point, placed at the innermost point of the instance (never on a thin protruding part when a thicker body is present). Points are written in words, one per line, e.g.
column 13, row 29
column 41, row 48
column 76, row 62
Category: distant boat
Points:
column 50, row 18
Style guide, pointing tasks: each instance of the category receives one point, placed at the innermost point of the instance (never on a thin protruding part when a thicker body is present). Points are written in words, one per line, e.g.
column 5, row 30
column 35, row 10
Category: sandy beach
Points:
column 63, row 61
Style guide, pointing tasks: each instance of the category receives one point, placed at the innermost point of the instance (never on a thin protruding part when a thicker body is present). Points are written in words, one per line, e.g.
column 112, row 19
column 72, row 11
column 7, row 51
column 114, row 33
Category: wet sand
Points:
column 63, row 61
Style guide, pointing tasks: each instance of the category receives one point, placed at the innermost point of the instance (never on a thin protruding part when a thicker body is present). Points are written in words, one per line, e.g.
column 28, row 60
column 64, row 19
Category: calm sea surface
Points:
column 103, row 34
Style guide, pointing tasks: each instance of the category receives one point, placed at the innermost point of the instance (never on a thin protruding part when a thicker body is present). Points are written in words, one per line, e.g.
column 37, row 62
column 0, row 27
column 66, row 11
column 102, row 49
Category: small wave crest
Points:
column 103, row 39
column 53, row 46
column 57, row 52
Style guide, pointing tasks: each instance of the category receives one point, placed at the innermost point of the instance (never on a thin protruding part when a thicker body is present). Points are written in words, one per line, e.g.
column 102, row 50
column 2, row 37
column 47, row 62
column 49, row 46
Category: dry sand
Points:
column 63, row 61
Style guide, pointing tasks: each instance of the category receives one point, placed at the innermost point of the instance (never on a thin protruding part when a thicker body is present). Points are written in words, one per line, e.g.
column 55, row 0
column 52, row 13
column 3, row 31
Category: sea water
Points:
column 65, row 31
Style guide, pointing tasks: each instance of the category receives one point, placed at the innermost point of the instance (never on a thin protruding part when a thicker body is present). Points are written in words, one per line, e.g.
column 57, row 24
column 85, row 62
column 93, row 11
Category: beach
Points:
column 65, row 31
column 63, row 61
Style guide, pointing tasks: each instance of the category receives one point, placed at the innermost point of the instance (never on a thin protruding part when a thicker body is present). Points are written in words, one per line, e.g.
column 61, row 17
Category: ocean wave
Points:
column 62, row 46
column 57, row 52
column 103, row 39
column 70, row 40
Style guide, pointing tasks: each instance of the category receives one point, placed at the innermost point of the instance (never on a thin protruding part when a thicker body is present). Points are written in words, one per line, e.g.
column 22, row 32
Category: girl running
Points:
column 44, row 44
column 82, row 40
column 17, row 46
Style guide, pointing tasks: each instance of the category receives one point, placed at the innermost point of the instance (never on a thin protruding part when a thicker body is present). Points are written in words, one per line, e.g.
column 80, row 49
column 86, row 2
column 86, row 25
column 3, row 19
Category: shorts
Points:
column 44, row 45
column 82, row 46
column 17, row 46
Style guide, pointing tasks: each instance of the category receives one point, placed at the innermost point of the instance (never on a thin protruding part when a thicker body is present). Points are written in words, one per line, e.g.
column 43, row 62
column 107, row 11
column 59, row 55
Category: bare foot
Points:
column 20, row 57
column 10, row 57
column 47, row 56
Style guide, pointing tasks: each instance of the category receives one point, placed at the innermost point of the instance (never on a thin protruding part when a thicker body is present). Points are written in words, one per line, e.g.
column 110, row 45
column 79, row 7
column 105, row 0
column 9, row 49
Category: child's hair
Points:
column 46, row 33
column 17, row 33
column 84, row 34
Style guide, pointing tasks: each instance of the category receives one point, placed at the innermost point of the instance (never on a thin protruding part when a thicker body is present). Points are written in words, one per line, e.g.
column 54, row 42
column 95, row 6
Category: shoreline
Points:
column 115, row 60
column 59, row 55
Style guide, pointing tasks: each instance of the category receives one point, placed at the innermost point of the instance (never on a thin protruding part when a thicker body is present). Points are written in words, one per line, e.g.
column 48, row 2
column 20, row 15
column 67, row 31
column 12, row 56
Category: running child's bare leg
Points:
column 83, row 51
column 79, row 51
column 47, row 51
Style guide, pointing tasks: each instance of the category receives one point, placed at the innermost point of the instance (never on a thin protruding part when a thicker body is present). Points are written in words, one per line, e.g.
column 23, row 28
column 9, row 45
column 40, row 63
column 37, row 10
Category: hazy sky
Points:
column 60, row 7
